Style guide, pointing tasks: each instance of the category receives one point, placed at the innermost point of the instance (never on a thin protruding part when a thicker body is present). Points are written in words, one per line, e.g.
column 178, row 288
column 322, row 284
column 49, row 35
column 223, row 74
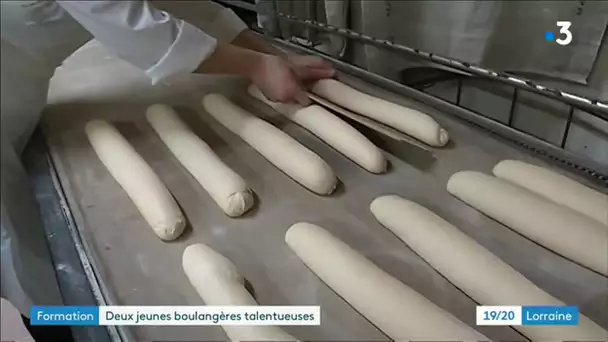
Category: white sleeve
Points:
column 216, row 20
column 144, row 36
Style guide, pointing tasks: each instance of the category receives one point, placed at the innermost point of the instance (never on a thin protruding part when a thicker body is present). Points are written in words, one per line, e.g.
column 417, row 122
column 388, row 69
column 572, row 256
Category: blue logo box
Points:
column 64, row 315
column 549, row 315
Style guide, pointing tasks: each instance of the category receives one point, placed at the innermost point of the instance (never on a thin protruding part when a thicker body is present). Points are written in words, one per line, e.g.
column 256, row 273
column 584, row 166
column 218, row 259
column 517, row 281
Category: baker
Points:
column 37, row 36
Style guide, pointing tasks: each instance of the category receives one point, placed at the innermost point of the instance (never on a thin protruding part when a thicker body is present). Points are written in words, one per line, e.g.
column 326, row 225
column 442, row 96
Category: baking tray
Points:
column 135, row 268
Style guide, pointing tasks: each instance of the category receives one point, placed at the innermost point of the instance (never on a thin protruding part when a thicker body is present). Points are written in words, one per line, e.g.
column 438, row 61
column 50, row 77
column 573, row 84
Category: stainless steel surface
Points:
column 88, row 259
column 136, row 268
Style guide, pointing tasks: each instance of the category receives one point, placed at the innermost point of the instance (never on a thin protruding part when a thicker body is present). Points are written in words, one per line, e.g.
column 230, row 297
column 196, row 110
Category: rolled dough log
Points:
column 218, row 283
column 555, row 187
column 400, row 312
column 472, row 268
column 407, row 120
column 560, row 229
column 226, row 187
column 329, row 128
column 137, row 178
column 291, row 157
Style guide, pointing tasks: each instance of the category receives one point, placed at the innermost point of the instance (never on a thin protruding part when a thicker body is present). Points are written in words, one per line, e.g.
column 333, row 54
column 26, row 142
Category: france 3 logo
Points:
column 565, row 37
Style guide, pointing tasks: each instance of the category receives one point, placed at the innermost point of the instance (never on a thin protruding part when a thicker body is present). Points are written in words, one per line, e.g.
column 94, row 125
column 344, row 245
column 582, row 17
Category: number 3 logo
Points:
column 565, row 25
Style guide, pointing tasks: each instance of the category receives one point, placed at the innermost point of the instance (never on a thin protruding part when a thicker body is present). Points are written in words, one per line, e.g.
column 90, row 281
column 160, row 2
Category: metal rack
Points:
column 542, row 147
column 588, row 167
column 593, row 106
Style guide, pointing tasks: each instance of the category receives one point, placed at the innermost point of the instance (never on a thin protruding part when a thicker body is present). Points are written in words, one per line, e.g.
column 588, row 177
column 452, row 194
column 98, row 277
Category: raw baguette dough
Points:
column 555, row 187
column 291, row 157
column 137, row 178
column 407, row 120
column 226, row 187
column 329, row 128
column 474, row 269
column 218, row 283
column 400, row 312
column 560, row 229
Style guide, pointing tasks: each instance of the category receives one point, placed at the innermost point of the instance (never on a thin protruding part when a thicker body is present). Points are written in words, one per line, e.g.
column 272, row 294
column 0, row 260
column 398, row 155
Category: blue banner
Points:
column 549, row 315
column 90, row 315
column 64, row 315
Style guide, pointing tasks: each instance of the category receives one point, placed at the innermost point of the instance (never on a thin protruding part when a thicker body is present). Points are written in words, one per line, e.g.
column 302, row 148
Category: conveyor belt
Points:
column 135, row 268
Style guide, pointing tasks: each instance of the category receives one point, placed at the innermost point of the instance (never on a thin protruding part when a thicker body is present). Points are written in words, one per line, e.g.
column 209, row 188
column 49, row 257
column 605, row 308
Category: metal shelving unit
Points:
column 556, row 152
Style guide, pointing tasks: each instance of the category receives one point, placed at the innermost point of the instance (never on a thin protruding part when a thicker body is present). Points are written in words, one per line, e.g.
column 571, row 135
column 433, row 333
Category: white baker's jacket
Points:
column 36, row 37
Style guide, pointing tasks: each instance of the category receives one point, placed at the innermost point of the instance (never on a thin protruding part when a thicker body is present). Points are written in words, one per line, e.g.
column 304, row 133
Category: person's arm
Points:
column 150, row 39
column 216, row 20
column 164, row 46
column 228, row 59
column 250, row 40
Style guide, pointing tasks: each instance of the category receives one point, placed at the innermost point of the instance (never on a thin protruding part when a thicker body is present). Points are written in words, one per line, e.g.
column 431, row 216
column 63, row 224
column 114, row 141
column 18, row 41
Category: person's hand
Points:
column 280, row 78
column 285, row 79
column 310, row 69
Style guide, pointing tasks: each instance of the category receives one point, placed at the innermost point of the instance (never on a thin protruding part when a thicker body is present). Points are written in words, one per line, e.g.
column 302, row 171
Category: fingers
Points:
column 302, row 98
column 311, row 68
column 285, row 80
column 289, row 92
column 310, row 62
column 294, row 94
column 297, row 93
column 311, row 74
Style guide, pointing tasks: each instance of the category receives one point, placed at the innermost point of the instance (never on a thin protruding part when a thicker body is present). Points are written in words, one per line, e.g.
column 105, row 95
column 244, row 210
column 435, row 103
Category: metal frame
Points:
column 594, row 106
column 593, row 170
column 556, row 152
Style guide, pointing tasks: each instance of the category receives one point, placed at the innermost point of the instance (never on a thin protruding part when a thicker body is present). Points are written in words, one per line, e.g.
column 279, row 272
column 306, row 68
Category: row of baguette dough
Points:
column 231, row 193
column 565, row 231
column 507, row 203
column 559, row 203
column 287, row 154
column 227, row 188
column 332, row 130
column 407, row 120
column 397, row 310
column 534, row 209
